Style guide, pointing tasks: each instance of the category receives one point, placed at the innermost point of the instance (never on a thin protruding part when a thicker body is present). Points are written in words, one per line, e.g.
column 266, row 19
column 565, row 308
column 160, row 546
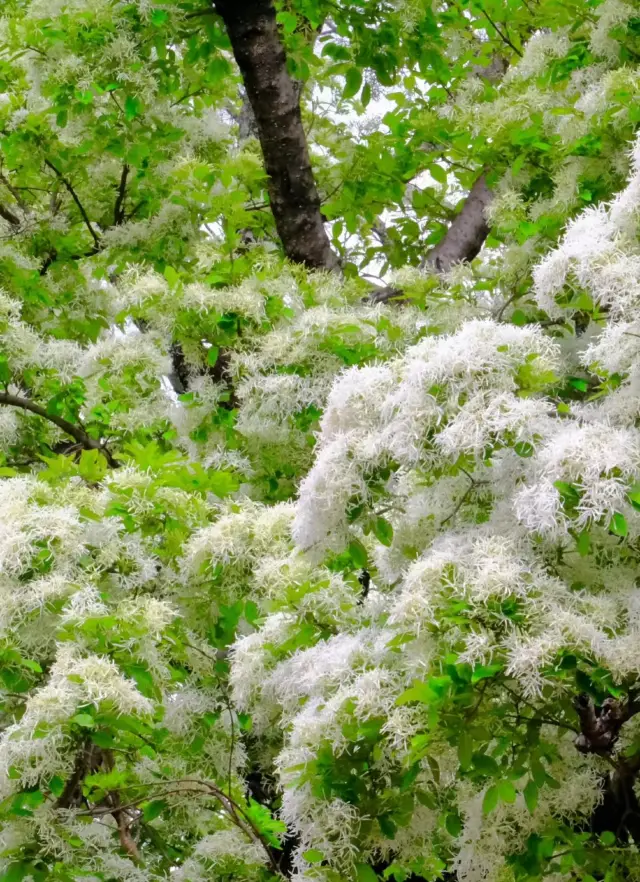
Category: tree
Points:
column 300, row 575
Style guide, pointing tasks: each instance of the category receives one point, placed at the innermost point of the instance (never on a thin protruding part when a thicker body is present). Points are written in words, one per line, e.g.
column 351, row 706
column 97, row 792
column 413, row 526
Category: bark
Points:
column 600, row 725
column 462, row 241
column 467, row 233
column 9, row 216
column 88, row 760
column 253, row 32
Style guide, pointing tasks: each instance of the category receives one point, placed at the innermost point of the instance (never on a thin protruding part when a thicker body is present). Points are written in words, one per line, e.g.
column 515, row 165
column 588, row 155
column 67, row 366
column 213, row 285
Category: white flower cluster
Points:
column 447, row 394
column 486, row 485
column 38, row 745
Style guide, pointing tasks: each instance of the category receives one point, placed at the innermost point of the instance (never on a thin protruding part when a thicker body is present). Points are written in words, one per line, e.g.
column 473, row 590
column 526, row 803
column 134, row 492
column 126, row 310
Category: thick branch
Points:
column 599, row 726
column 9, row 216
column 68, row 428
column 118, row 210
column 88, row 759
column 74, row 196
column 465, row 237
column 256, row 43
column 462, row 241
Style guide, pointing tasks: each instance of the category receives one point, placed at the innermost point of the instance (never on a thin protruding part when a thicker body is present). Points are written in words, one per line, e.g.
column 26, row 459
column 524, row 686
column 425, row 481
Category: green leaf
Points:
column 153, row 809
column 365, row 97
column 313, row 856
column 287, row 21
column 453, row 823
column 144, row 680
column 86, row 721
column 531, row 796
column 92, row 466
column 579, row 384
column 366, row 873
column 537, row 772
column 507, row 791
column 159, row 17
column 608, row 838
column 353, row 82
column 16, row 872
column 222, row 484
column 570, row 495
column 524, row 449
column 491, row 799
column 484, row 672
column 486, row 765
column 465, row 750
column 383, row 531
column 618, row 525
column 583, row 543
column 31, row 665
column 358, row 554
column 419, row 692
column 132, row 107
column 251, row 612
column 171, row 276
column 5, row 373
column 212, row 355
column 438, row 173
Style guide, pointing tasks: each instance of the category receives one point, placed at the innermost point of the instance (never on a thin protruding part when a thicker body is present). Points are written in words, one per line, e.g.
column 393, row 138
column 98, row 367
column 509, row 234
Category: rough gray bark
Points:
column 253, row 32
column 462, row 241
column 465, row 237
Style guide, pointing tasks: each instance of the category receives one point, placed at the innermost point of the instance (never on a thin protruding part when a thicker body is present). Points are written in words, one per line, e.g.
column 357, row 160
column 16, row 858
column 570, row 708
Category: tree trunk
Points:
column 253, row 31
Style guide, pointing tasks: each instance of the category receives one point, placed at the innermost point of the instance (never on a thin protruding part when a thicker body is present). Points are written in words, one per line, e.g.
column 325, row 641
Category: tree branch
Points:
column 74, row 196
column 258, row 50
column 504, row 37
column 600, row 726
column 465, row 237
column 68, row 428
column 9, row 216
column 118, row 209
column 15, row 191
column 462, row 241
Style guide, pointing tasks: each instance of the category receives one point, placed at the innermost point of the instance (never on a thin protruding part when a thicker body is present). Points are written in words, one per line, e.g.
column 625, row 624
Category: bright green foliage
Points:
column 312, row 583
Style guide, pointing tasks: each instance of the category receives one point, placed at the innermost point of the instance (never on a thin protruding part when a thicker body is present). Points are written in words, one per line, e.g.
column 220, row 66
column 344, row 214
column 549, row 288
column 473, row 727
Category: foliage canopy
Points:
column 297, row 579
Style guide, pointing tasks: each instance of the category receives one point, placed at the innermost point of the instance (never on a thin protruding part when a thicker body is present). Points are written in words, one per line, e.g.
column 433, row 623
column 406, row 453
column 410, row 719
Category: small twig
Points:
column 74, row 196
column 204, row 788
column 126, row 839
column 474, row 710
column 221, row 655
column 502, row 36
column 519, row 698
column 112, row 95
column 15, row 191
column 507, row 303
column 135, row 209
column 185, row 96
column 546, row 720
column 474, row 483
column 208, row 11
